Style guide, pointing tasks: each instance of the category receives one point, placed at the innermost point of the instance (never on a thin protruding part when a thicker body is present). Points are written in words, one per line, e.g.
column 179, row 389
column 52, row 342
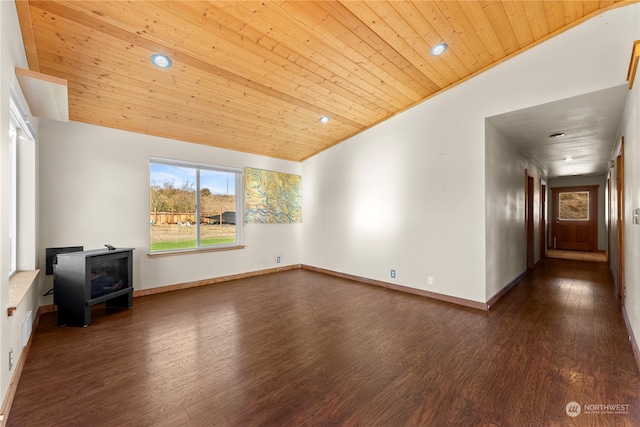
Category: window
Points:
column 193, row 206
column 13, row 187
column 574, row 206
column 20, row 130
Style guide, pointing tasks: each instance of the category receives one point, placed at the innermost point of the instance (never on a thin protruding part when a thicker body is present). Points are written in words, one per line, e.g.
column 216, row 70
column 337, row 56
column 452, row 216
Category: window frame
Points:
column 13, row 194
column 20, row 129
column 239, row 203
column 587, row 209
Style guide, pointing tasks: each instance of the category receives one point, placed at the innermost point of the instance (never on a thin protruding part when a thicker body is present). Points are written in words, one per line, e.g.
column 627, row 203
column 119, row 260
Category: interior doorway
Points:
column 543, row 219
column 529, row 220
column 609, row 212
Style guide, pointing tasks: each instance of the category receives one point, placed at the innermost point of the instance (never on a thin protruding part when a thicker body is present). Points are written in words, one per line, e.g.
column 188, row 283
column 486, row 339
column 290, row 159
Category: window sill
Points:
column 193, row 251
column 19, row 284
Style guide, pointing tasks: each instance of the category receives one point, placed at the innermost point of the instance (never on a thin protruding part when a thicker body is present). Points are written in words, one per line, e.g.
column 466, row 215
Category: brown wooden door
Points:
column 575, row 218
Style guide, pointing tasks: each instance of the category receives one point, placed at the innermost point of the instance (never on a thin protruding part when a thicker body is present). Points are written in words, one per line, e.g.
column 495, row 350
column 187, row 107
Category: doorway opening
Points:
column 529, row 220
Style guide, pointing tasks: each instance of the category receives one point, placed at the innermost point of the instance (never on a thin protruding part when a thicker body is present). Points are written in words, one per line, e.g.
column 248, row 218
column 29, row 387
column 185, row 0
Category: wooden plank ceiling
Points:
column 256, row 76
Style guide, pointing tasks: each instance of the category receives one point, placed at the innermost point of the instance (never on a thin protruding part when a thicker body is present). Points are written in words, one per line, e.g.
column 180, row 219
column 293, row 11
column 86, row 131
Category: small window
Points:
column 193, row 206
column 13, row 188
column 20, row 131
column 574, row 206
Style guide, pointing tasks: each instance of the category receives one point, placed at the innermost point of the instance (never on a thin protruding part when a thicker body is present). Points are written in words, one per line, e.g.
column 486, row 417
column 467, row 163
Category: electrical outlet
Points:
column 393, row 274
column 11, row 359
column 430, row 280
column 278, row 260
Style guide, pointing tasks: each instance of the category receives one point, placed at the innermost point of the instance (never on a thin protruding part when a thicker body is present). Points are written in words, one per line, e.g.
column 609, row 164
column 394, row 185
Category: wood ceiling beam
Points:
column 28, row 38
column 633, row 64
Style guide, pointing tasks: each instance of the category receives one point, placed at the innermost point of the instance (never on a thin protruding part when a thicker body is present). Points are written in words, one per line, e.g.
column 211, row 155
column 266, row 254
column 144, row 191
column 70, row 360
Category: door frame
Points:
column 543, row 219
column 530, row 184
column 620, row 220
column 608, row 213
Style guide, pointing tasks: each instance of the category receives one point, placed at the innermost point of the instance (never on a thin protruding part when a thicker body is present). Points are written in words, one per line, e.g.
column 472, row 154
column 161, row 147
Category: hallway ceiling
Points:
column 257, row 76
column 589, row 123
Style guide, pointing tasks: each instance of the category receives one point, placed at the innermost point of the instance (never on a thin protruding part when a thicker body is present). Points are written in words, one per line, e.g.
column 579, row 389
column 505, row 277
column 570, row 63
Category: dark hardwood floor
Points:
column 300, row 348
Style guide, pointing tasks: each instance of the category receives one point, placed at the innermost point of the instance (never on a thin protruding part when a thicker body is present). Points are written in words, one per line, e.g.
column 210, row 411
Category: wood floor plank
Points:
column 299, row 348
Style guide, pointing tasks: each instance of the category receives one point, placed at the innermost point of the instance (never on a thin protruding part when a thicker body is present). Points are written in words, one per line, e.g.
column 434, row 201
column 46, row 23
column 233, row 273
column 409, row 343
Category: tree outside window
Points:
column 193, row 206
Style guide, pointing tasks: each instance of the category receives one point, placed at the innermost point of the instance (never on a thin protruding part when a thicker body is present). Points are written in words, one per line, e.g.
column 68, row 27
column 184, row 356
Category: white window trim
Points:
column 20, row 128
column 19, row 114
column 239, row 189
column 13, row 191
column 575, row 219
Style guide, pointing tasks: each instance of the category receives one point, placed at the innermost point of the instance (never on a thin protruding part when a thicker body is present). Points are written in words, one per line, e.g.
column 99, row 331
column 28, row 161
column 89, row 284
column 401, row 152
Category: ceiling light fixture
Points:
column 438, row 49
column 161, row 61
column 324, row 119
column 556, row 135
column 568, row 159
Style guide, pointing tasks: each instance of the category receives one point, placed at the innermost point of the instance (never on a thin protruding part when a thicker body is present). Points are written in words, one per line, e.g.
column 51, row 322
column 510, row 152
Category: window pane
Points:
column 173, row 207
column 217, row 200
column 192, row 206
column 13, row 211
column 574, row 206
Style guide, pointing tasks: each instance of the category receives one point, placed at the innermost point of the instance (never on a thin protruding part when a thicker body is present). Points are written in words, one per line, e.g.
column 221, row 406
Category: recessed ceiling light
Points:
column 438, row 49
column 324, row 119
column 160, row 60
column 568, row 159
column 556, row 135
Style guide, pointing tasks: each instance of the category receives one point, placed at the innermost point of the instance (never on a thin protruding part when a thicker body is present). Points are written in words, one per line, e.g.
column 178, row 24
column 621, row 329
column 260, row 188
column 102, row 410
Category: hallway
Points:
column 303, row 348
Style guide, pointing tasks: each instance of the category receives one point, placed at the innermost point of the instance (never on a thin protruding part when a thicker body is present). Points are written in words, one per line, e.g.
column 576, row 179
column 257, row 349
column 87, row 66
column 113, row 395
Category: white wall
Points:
column 94, row 189
column 577, row 181
column 404, row 195
column 506, row 242
column 409, row 193
column 630, row 130
column 11, row 56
